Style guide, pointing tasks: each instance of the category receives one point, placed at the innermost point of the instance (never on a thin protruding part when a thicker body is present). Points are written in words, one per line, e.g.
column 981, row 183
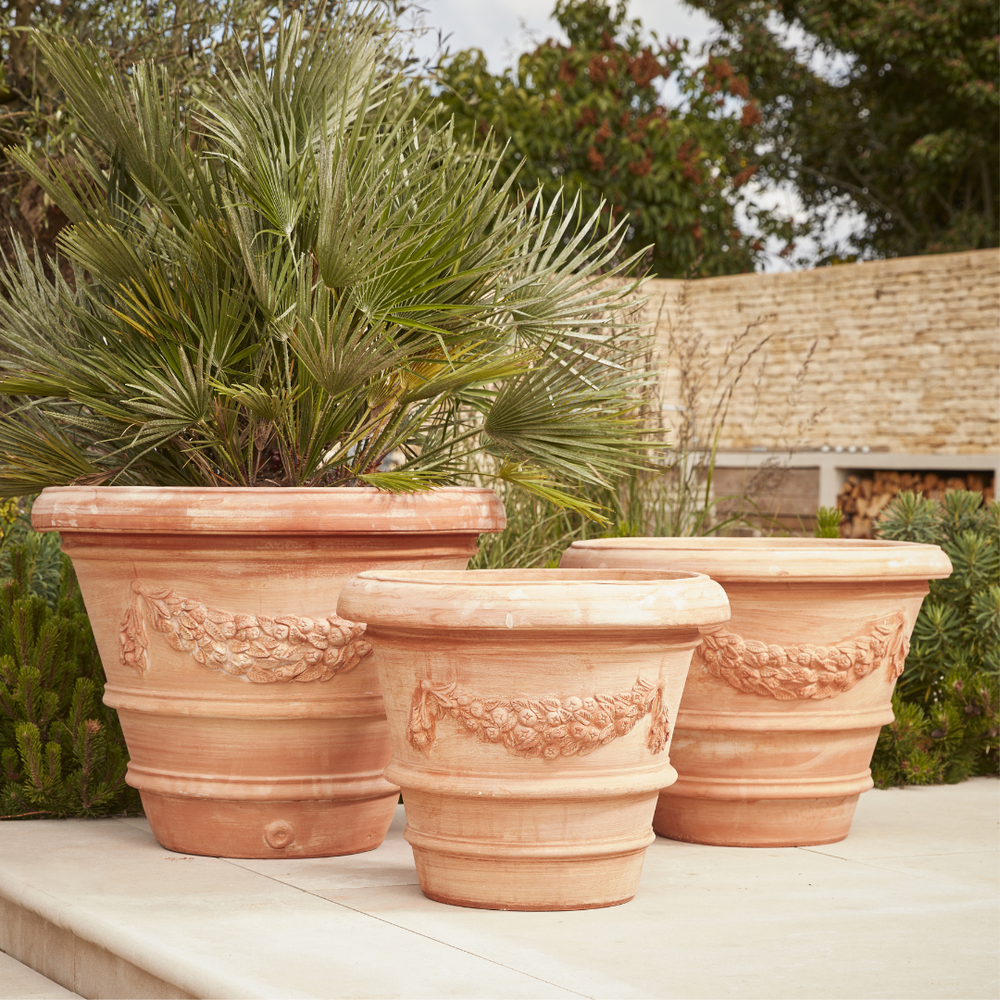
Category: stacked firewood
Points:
column 861, row 500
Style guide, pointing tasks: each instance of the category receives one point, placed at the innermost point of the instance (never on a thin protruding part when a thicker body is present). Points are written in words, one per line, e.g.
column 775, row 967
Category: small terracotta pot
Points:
column 531, row 714
column 783, row 705
column 252, row 713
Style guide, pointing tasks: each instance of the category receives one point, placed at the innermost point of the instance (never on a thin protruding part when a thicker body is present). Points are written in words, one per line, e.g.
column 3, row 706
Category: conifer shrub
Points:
column 34, row 557
column 947, row 701
column 61, row 750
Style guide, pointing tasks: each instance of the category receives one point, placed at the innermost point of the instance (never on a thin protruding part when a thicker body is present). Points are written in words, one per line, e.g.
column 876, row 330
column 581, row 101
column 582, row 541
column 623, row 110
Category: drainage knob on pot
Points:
column 279, row 834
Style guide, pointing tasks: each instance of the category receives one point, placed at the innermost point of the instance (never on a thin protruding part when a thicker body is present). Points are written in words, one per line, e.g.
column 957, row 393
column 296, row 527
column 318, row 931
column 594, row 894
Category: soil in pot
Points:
column 531, row 714
column 252, row 713
column 783, row 704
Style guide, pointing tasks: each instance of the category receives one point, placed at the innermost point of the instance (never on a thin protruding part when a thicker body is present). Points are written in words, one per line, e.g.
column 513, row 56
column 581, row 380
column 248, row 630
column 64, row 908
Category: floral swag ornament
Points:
column 806, row 671
column 540, row 727
column 265, row 650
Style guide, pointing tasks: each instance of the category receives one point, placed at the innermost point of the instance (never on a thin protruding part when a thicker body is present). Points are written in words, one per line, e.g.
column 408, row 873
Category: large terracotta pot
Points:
column 531, row 715
column 252, row 714
column 784, row 704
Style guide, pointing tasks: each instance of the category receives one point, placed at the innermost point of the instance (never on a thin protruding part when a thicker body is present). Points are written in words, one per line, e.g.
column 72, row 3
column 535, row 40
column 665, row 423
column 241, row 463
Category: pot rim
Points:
column 532, row 576
column 740, row 560
column 266, row 510
column 533, row 599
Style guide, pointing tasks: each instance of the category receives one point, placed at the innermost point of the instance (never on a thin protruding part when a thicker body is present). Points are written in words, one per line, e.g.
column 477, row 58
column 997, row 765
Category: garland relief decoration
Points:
column 806, row 671
column 262, row 649
column 540, row 727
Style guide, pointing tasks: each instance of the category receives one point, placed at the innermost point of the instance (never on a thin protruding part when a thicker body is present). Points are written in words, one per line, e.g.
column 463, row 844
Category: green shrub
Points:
column 828, row 522
column 947, row 702
column 61, row 750
column 32, row 557
column 538, row 532
column 644, row 504
column 297, row 279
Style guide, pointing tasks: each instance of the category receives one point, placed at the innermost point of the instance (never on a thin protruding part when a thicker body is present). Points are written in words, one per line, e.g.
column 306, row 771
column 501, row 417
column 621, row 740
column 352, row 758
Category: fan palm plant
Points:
column 299, row 282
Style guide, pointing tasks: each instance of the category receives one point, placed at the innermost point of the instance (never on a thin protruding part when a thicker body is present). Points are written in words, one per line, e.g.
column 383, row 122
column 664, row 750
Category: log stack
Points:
column 862, row 499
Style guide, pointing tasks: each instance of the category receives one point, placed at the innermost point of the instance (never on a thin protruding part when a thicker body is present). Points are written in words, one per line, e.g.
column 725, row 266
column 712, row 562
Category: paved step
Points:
column 906, row 907
column 18, row 982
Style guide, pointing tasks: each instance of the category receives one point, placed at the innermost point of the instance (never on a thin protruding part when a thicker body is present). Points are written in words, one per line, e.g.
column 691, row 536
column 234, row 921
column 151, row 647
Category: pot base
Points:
column 575, row 852
column 754, row 823
column 248, row 829
column 529, row 884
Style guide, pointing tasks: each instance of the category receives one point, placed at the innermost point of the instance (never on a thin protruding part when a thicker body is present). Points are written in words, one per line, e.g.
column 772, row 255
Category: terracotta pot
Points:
column 784, row 704
column 252, row 714
column 531, row 714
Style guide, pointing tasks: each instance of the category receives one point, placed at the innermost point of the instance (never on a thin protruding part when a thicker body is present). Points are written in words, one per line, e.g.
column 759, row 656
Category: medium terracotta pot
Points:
column 531, row 714
column 784, row 704
column 252, row 713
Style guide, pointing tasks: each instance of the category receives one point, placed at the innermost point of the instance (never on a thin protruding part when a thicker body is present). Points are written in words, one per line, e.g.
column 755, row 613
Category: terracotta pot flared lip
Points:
column 613, row 577
column 739, row 560
column 266, row 510
column 534, row 598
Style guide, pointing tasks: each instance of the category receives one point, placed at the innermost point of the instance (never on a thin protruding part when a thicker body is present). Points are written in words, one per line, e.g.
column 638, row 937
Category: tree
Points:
column 191, row 39
column 589, row 116
column 889, row 109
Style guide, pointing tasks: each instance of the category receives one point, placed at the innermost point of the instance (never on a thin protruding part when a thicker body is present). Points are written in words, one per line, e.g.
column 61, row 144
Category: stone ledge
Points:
column 905, row 907
column 18, row 982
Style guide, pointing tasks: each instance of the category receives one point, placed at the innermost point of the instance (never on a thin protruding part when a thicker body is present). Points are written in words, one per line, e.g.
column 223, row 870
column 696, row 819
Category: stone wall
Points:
column 900, row 356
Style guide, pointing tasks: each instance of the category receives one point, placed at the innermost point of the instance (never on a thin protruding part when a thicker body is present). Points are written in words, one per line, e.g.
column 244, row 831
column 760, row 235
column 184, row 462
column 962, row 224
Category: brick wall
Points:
column 905, row 353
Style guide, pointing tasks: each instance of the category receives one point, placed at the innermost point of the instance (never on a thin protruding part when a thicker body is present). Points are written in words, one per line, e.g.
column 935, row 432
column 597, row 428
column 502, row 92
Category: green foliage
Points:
column 536, row 535
column 947, row 701
column 33, row 559
column 297, row 280
column 645, row 504
column 828, row 522
column 61, row 751
column 190, row 39
column 947, row 741
column 674, row 500
column 589, row 116
column 538, row 532
column 956, row 626
column 911, row 518
column 902, row 126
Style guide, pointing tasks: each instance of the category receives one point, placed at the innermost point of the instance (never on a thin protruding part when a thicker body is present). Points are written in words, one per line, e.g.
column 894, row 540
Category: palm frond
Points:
column 536, row 483
column 35, row 450
column 400, row 482
column 299, row 277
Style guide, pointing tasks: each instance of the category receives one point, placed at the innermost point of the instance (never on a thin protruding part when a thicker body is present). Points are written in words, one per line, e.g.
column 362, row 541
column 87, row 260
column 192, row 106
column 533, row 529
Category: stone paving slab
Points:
column 18, row 982
column 907, row 906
